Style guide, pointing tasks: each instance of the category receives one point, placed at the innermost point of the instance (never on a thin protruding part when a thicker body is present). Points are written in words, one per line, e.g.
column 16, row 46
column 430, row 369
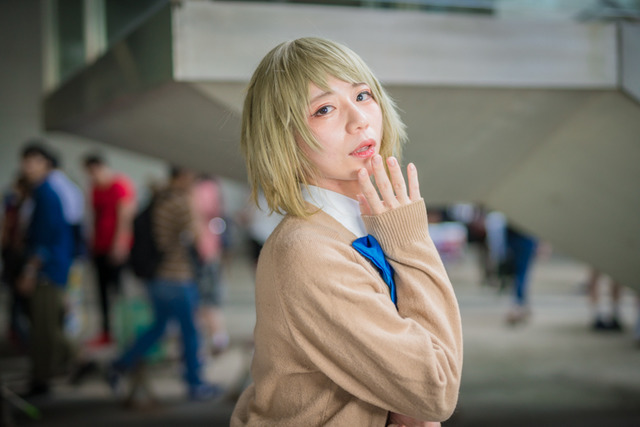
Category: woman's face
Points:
column 347, row 123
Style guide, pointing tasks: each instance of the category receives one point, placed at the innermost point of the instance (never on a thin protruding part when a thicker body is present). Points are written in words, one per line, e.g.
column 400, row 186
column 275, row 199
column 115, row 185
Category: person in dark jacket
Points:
column 43, row 280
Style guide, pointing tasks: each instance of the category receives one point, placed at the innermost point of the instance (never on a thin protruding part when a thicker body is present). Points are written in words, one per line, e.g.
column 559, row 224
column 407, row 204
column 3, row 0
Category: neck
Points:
column 350, row 189
column 106, row 179
column 39, row 179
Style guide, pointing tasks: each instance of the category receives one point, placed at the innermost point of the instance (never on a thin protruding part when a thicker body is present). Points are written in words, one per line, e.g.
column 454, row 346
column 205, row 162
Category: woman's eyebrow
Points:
column 320, row 95
column 330, row 92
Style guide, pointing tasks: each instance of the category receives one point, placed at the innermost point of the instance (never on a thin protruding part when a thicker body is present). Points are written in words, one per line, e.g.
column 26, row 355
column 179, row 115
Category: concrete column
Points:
column 95, row 29
column 630, row 59
column 50, row 45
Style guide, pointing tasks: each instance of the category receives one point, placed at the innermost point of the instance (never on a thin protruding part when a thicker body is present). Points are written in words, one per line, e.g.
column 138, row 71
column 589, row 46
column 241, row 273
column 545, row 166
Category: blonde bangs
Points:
column 275, row 113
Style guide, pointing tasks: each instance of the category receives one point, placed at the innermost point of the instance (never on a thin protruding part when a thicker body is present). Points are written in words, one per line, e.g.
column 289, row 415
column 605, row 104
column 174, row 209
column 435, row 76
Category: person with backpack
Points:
column 172, row 289
column 145, row 255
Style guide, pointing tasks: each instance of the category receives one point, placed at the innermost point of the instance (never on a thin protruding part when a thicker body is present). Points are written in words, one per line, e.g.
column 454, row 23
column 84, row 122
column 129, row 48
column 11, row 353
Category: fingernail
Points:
column 377, row 159
column 412, row 166
column 392, row 161
column 362, row 172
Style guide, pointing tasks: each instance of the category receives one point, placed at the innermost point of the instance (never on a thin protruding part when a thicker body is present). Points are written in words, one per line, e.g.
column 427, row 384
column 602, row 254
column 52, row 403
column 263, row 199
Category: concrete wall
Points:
column 20, row 64
column 630, row 61
column 20, row 104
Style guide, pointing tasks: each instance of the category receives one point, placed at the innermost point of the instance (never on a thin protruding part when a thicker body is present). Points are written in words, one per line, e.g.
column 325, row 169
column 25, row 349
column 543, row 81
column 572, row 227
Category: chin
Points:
column 367, row 167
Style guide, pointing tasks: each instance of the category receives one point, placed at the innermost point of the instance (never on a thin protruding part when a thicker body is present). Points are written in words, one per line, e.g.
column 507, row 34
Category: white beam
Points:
column 217, row 41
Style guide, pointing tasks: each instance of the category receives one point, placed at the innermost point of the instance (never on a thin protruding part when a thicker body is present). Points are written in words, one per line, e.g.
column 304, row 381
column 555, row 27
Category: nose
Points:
column 357, row 119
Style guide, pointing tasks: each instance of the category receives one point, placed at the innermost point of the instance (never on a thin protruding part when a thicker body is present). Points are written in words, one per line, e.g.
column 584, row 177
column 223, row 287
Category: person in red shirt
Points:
column 113, row 202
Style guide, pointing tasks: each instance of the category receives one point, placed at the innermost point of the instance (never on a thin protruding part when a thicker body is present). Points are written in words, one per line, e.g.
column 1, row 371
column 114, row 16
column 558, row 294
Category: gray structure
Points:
column 537, row 117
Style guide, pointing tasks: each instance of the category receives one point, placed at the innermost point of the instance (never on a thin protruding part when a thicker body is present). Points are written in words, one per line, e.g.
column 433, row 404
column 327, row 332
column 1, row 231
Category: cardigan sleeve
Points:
column 406, row 360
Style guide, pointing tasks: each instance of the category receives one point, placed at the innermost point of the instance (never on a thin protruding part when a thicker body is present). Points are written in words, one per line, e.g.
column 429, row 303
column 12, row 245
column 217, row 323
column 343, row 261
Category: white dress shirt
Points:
column 343, row 209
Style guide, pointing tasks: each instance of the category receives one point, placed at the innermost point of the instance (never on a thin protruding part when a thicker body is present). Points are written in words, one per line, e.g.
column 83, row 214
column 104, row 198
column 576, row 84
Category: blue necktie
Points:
column 369, row 247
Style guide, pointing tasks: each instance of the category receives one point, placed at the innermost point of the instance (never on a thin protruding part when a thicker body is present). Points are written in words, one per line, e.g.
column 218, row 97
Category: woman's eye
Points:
column 364, row 95
column 323, row 110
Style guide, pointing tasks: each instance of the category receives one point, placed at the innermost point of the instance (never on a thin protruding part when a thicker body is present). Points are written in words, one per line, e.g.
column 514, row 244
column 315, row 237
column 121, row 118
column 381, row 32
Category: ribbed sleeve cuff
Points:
column 397, row 227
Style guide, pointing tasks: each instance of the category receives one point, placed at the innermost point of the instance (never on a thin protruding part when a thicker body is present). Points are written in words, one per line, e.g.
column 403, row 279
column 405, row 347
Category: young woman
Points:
column 331, row 347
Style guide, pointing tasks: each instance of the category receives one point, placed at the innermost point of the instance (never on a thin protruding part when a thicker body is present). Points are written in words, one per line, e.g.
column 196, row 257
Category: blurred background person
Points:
column 477, row 238
column 209, row 247
column 603, row 319
column 113, row 203
column 17, row 210
column 496, row 230
column 260, row 223
column 73, row 208
column 521, row 252
column 173, row 291
column 73, row 205
column 473, row 217
column 44, row 276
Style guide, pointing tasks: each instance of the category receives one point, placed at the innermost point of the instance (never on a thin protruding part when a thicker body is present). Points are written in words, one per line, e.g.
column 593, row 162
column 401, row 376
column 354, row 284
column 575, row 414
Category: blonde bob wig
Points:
column 275, row 115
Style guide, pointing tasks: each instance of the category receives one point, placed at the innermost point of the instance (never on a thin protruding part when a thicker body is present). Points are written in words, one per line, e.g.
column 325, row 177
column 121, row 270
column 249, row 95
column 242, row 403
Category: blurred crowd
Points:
column 175, row 243
column 506, row 254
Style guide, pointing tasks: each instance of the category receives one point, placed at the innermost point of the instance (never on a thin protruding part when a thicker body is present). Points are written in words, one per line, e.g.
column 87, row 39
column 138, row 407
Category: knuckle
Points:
column 369, row 191
column 370, row 196
column 384, row 185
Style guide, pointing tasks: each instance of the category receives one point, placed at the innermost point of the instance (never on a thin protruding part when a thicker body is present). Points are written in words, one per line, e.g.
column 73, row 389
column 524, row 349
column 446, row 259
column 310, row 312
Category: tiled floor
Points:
column 552, row 371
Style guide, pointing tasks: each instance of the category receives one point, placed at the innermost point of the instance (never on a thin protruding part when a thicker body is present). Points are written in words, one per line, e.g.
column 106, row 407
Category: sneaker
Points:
column 114, row 379
column 518, row 314
column 615, row 325
column 37, row 389
column 599, row 324
column 612, row 325
column 103, row 339
column 204, row 391
column 81, row 371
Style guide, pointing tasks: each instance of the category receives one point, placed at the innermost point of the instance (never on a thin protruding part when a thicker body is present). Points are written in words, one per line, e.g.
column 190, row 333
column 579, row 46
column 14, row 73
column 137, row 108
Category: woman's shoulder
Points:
column 305, row 250
column 298, row 236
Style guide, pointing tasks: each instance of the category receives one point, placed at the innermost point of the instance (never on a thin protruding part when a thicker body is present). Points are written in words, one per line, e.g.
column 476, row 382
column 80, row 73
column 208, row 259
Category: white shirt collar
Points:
column 343, row 209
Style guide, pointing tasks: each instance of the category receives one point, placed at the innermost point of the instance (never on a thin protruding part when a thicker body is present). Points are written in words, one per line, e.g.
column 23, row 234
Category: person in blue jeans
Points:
column 173, row 292
column 522, row 250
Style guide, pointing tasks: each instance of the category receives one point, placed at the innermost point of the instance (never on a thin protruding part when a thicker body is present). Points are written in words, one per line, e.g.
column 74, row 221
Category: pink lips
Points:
column 365, row 150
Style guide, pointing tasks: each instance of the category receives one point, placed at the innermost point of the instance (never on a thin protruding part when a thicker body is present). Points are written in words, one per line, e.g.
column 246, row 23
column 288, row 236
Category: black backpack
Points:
column 145, row 256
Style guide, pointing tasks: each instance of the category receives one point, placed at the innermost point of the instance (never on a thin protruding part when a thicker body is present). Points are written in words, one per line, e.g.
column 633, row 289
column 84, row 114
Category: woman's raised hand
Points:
column 393, row 192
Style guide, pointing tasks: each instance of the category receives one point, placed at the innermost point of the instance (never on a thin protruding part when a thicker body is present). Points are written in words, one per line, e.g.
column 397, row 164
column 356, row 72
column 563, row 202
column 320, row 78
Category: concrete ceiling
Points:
column 174, row 122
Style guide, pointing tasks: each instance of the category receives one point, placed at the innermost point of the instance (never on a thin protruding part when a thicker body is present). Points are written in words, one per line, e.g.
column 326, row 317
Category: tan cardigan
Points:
column 330, row 346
